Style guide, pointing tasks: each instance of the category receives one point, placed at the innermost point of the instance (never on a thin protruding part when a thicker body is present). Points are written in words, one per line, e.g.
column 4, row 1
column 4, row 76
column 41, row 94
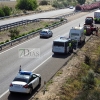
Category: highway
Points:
column 46, row 65
column 35, row 16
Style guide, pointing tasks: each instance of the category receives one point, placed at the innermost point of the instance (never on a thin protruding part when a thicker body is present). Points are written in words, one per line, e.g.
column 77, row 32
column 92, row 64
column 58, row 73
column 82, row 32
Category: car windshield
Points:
column 44, row 32
column 74, row 34
column 58, row 44
column 21, row 79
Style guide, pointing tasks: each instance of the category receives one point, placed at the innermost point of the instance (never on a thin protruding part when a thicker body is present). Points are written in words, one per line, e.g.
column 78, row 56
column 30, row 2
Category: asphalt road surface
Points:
column 46, row 65
column 49, row 14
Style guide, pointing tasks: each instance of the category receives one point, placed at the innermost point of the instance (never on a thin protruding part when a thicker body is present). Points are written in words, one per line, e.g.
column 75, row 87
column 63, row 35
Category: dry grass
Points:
column 46, row 7
column 8, row 3
column 4, row 35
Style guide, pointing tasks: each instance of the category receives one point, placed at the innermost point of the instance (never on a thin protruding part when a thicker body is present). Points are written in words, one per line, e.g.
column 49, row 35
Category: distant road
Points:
column 39, row 15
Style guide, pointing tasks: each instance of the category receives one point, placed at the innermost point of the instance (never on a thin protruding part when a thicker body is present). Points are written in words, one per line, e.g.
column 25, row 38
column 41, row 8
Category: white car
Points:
column 25, row 82
column 46, row 33
column 71, row 7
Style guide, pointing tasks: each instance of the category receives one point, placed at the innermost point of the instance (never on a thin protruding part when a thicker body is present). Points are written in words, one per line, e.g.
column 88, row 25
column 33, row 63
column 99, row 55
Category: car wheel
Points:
column 11, row 92
column 39, row 81
column 31, row 89
column 84, row 41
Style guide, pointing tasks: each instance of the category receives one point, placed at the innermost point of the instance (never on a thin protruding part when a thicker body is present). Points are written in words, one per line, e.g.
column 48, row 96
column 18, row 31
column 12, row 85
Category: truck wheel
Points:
column 84, row 41
column 71, row 50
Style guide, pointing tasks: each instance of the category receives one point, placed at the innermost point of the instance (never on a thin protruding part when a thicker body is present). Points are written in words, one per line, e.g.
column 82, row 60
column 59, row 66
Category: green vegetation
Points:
column 86, row 84
column 5, row 11
column 43, row 2
column 2, row 43
column 14, row 33
column 63, row 3
column 6, row 41
column 89, row 81
column 66, row 3
column 27, row 4
column 81, row 1
column 47, row 84
column 59, row 72
column 32, row 5
column 2, row 14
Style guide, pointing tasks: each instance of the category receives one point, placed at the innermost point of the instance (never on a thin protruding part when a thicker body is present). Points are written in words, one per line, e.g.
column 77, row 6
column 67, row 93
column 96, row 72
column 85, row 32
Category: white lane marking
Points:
column 55, row 37
column 41, row 63
column 3, row 94
column 58, row 36
column 19, row 44
column 32, row 71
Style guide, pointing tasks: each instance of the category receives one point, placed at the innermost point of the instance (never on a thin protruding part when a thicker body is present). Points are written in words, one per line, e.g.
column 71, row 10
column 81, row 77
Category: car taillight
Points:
column 11, row 85
column 25, row 86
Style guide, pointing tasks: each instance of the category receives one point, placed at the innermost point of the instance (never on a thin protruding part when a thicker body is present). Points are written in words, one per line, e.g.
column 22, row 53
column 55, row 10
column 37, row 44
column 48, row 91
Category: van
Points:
column 62, row 45
column 97, row 16
column 77, row 34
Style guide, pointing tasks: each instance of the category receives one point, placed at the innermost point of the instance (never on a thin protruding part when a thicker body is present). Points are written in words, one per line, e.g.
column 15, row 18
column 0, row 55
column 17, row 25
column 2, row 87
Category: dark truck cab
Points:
column 89, row 21
column 89, row 26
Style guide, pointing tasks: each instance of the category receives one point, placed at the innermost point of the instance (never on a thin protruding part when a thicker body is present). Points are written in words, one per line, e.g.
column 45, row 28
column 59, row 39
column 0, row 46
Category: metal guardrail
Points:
column 24, row 22
column 12, row 42
column 16, row 24
column 70, row 14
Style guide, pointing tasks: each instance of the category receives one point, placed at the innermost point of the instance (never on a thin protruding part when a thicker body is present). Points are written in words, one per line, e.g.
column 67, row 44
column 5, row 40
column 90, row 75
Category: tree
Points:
column 65, row 3
column 55, row 4
column 81, row 1
column 2, row 14
column 44, row 2
column 6, row 10
column 14, row 33
column 26, row 4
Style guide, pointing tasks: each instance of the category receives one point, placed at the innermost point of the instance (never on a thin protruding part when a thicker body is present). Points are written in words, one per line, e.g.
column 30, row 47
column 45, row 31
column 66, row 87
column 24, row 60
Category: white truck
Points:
column 97, row 16
column 77, row 34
